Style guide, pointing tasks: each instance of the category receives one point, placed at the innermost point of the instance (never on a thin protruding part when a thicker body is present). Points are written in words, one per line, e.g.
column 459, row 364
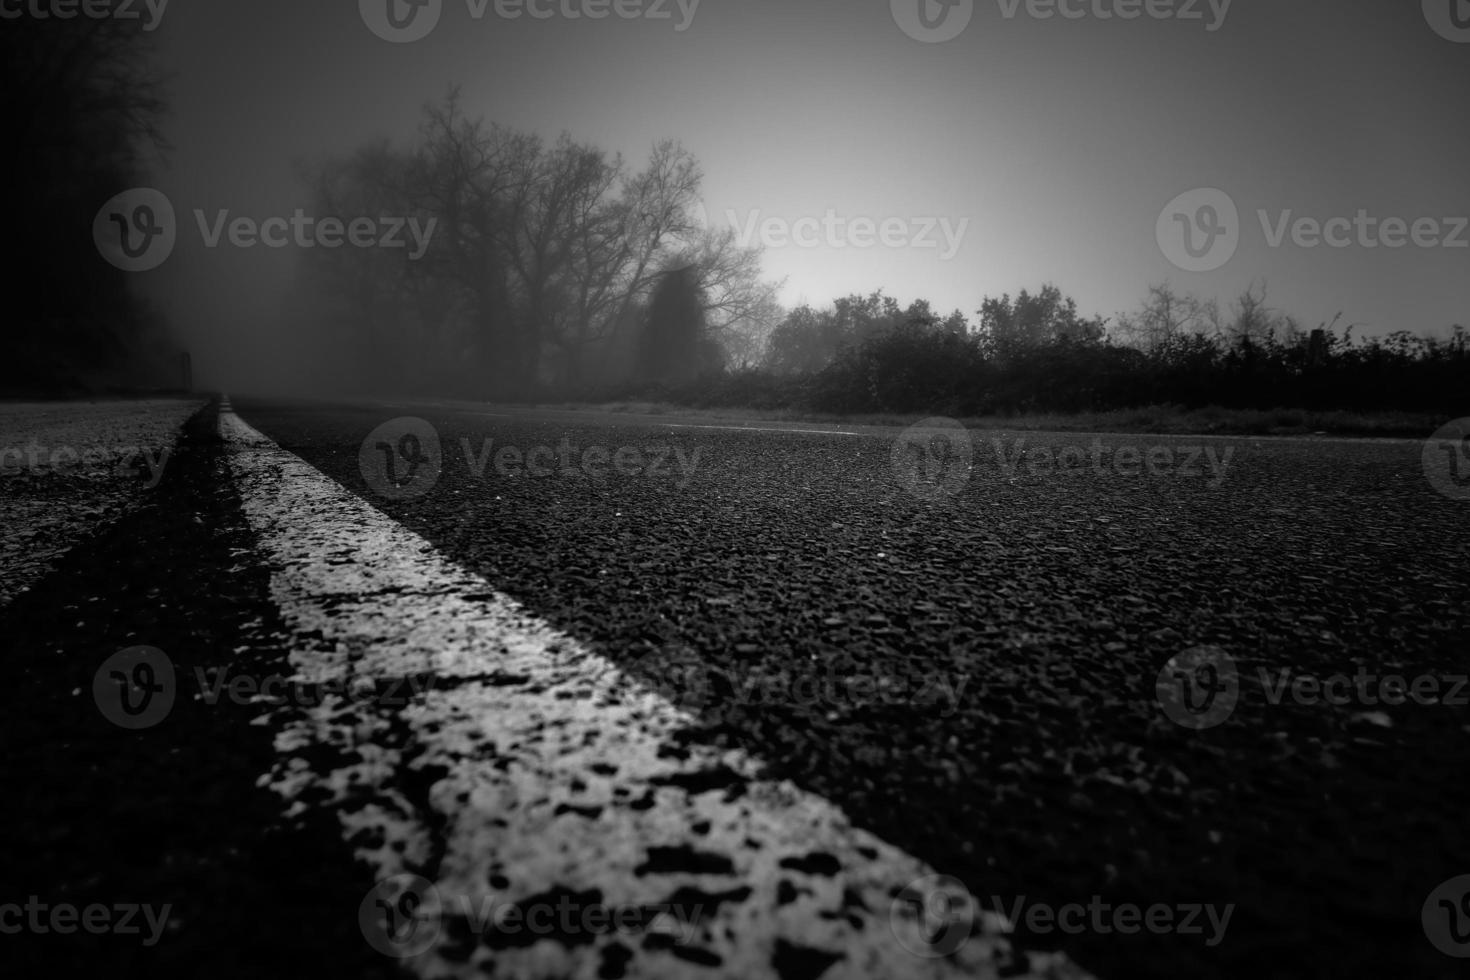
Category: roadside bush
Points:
column 909, row 368
column 1061, row 363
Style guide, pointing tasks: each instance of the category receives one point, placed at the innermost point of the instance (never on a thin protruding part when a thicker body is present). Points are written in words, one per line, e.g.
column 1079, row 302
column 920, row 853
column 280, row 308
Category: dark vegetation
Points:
column 557, row 273
column 1035, row 354
column 551, row 266
column 81, row 108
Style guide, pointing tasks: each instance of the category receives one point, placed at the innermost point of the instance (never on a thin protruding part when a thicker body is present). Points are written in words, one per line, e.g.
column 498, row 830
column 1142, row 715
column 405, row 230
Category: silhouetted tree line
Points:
column 81, row 107
column 550, row 267
column 556, row 270
column 1036, row 353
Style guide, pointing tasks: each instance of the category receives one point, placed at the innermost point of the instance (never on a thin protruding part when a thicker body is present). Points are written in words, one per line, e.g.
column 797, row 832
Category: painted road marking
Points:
column 527, row 768
column 643, row 420
column 630, row 418
column 754, row 428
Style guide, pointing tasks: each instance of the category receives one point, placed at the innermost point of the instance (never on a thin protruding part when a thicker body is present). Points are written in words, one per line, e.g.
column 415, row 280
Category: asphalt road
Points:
column 971, row 663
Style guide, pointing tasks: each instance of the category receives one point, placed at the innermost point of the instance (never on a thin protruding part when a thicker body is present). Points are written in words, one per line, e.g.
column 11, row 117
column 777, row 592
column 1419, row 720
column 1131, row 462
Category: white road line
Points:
column 678, row 425
column 753, row 428
column 530, row 763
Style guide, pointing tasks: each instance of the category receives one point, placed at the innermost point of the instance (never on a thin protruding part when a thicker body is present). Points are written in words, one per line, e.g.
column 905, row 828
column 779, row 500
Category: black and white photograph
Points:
column 735, row 489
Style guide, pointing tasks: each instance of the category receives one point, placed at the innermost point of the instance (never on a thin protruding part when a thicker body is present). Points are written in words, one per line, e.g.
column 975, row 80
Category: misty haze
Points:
column 687, row 488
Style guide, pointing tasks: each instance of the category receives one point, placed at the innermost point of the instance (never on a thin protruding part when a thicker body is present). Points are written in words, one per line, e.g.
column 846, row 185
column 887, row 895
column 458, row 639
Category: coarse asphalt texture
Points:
column 971, row 677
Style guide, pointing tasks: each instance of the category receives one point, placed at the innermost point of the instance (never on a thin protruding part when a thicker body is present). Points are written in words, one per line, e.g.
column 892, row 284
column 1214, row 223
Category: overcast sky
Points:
column 1021, row 150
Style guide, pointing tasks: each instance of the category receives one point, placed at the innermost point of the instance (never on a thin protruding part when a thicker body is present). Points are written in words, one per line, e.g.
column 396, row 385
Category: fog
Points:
column 1027, row 149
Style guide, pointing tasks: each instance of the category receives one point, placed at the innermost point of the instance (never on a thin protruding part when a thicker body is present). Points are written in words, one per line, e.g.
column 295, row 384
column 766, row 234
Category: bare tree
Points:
column 1165, row 316
column 550, row 254
column 467, row 176
column 1251, row 320
column 740, row 308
